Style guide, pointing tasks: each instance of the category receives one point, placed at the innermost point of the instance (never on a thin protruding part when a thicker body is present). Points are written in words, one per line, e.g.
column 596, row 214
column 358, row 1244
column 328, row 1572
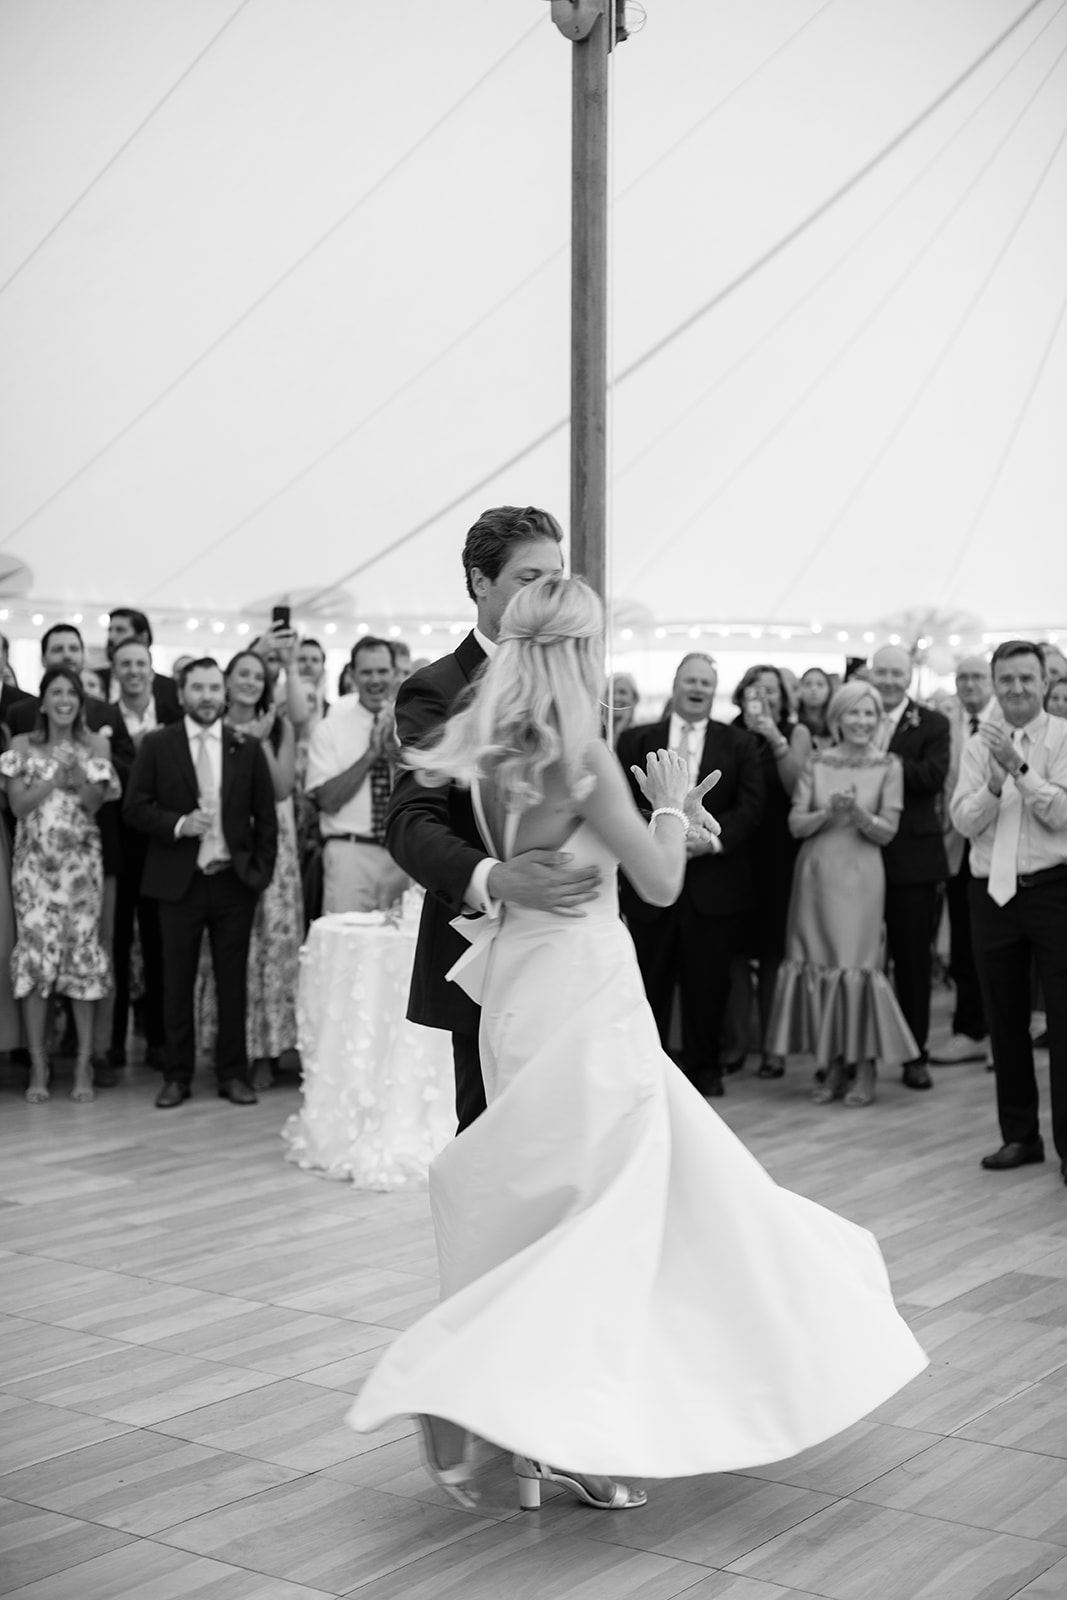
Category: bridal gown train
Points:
column 624, row 1289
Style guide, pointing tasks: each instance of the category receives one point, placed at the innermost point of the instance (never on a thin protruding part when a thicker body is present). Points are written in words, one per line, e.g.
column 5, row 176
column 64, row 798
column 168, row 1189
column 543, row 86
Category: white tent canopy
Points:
column 283, row 282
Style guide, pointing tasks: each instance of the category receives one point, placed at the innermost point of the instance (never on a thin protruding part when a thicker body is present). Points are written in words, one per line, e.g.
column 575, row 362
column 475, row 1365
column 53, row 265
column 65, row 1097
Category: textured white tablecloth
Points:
column 378, row 1090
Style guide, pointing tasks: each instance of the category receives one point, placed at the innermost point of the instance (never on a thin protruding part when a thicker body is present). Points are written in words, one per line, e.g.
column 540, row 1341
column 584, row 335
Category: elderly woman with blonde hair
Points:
column 832, row 999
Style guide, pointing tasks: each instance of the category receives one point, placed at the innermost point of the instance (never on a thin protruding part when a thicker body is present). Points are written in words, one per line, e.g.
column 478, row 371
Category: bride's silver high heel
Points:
column 531, row 1475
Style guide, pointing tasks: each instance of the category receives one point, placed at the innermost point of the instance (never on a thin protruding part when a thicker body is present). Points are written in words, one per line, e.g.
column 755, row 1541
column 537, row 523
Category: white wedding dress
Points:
column 624, row 1289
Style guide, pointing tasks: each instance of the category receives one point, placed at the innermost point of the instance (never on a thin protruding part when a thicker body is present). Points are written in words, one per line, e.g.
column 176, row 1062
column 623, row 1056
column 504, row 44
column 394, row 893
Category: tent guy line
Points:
column 865, row 325
column 745, row 276
column 849, row 251
column 938, row 362
column 272, row 288
column 124, row 146
column 1006, row 452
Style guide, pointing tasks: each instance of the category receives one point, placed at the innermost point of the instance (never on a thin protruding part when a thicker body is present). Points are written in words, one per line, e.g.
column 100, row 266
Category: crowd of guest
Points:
column 167, row 839
column 174, row 836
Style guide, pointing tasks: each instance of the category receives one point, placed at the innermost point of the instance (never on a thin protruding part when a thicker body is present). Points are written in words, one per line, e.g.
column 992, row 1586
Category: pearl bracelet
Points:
column 670, row 811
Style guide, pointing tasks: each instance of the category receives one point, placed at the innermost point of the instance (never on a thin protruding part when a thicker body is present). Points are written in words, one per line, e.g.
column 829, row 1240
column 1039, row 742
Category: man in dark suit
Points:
column 123, row 624
column 144, row 704
column 691, row 944
column 915, row 861
column 203, row 797
column 432, row 833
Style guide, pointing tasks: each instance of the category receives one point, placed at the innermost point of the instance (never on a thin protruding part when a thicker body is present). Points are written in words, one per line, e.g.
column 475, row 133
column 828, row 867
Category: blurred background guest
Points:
column 278, row 927
column 123, row 624
column 972, row 704
column 915, row 861
column 311, row 669
column 1056, row 699
column 832, row 1000
column 346, row 682
column 57, row 777
column 10, row 1030
column 784, row 748
column 144, row 703
column 402, row 663
column 622, row 698
column 1055, row 662
column 814, row 692
column 93, row 684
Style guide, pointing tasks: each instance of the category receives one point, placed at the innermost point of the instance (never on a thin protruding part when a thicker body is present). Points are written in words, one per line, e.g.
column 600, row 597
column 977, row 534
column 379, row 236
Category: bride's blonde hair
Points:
column 537, row 703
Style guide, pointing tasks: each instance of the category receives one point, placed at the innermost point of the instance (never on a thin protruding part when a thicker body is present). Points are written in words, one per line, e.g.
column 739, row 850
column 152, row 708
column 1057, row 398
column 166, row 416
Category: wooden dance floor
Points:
column 185, row 1316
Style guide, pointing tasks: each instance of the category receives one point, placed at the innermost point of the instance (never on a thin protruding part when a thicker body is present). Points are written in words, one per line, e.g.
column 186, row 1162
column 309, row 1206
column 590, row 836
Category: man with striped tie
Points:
column 352, row 758
column 1011, row 803
column 691, row 944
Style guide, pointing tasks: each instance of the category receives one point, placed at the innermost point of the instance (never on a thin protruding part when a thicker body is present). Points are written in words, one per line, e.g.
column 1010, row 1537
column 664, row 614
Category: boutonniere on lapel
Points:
column 235, row 738
column 911, row 717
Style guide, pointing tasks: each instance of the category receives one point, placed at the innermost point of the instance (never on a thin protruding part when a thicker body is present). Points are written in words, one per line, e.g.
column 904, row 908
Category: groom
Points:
column 432, row 834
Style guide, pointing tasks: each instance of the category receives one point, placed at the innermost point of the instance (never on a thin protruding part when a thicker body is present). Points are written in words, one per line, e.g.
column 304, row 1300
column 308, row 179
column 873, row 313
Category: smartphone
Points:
column 281, row 615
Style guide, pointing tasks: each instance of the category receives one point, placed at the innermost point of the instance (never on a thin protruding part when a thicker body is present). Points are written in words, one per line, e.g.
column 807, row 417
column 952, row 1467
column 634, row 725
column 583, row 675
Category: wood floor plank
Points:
column 146, row 1571
column 324, row 1533
column 1034, row 1420
column 836, row 1552
column 707, row 1520
column 140, row 1483
column 31, row 1432
column 138, row 1385
column 843, row 1464
column 959, row 1480
column 515, row 1561
column 34, row 1544
column 292, row 1423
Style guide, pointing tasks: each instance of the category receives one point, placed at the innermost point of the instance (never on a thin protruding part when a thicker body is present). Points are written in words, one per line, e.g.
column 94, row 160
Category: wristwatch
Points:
column 1022, row 769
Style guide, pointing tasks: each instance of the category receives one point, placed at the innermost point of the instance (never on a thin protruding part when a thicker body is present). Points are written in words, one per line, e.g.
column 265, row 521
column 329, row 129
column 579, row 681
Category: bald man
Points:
column 915, row 861
column 972, row 704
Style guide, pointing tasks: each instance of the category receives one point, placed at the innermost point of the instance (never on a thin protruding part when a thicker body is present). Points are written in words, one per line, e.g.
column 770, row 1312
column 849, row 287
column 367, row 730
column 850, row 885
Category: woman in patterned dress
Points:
column 57, row 778
column 273, row 954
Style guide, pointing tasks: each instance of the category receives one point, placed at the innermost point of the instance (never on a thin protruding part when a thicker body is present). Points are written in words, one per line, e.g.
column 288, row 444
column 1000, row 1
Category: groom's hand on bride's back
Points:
column 544, row 880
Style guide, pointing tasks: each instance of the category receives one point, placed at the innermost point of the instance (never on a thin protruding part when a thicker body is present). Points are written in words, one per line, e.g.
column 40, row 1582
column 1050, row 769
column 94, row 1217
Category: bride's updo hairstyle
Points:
column 537, row 703
column 844, row 699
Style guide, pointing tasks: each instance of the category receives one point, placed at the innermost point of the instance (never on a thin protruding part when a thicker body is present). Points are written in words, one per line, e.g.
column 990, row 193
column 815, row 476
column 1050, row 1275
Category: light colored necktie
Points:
column 687, row 750
column 205, row 778
column 1003, row 863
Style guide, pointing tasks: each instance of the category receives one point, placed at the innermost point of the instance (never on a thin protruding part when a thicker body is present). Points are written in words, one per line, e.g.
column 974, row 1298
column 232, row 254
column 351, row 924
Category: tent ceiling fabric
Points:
column 281, row 281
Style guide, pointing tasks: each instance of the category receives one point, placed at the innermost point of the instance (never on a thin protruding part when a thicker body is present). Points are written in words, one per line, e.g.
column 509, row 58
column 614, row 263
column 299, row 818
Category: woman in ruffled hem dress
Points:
column 832, row 999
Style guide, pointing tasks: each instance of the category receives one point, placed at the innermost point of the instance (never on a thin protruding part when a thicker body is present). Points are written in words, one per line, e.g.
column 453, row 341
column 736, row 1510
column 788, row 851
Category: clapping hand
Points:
column 1004, row 758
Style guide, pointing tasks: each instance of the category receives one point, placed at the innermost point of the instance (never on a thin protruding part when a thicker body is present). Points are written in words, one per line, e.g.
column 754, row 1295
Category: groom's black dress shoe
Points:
column 238, row 1093
column 172, row 1094
column 916, row 1075
column 1014, row 1155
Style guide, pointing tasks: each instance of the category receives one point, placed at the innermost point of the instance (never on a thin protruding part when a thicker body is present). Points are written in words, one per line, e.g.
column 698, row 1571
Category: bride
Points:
column 624, row 1289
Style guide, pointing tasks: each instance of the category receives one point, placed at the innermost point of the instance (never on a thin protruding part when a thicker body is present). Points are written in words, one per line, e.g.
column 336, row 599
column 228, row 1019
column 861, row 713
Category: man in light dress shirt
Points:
column 345, row 748
column 972, row 704
column 1011, row 803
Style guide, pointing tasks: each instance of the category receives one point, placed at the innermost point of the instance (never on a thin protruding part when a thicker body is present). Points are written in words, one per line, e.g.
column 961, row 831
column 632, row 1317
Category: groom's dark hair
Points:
column 496, row 533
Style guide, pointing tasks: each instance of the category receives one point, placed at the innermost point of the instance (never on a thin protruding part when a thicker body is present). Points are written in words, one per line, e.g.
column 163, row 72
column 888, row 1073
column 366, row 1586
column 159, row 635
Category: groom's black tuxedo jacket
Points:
column 163, row 787
column 432, row 835
column 716, row 885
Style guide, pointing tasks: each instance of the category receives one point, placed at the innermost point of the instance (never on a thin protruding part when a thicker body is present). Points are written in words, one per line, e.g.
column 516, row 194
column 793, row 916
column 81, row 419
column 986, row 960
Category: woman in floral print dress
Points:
column 57, row 778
